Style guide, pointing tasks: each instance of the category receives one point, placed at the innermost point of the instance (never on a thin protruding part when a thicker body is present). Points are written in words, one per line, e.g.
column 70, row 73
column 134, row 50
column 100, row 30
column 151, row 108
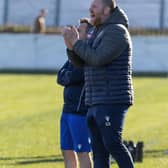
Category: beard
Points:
column 96, row 17
column 96, row 21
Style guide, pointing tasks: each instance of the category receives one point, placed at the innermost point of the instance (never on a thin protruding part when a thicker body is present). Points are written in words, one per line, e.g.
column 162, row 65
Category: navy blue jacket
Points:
column 107, row 59
column 72, row 79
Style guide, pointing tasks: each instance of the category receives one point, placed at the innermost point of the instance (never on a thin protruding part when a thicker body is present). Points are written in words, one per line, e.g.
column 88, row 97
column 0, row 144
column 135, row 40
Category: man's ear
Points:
column 107, row 10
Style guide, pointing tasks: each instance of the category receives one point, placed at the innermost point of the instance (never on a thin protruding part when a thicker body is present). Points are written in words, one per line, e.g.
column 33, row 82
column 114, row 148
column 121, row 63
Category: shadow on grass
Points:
column 155, row 153
column 30, row 160
column 26, row 160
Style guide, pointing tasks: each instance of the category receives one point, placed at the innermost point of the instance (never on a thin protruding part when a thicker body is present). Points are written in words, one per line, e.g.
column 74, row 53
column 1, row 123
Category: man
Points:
column 39, row 24
column 74, row 131
column 106, row 55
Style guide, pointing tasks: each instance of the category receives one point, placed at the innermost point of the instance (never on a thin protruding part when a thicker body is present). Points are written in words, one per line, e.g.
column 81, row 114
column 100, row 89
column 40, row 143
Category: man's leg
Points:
column 81, row 140
column 84, row 160
column 100, row 154
column 70, row 160
column 111, row 120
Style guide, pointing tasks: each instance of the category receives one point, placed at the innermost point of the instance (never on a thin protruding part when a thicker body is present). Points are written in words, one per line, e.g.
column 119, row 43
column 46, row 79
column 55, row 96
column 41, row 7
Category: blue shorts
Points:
column 74, row 133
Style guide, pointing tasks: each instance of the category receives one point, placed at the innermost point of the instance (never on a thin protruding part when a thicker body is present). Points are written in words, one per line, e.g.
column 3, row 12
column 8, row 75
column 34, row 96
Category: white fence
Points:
column 47, row 52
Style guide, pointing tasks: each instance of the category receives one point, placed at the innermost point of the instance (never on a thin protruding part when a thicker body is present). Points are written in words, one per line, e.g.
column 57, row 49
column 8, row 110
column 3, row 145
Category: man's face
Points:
column 96, row 12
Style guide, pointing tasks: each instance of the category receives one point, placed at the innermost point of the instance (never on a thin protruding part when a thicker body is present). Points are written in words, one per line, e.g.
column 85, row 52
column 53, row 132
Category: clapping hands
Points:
column 71, row 35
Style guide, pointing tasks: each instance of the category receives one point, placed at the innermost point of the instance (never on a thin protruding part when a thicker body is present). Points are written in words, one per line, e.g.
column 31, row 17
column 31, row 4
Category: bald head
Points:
column 109, row 3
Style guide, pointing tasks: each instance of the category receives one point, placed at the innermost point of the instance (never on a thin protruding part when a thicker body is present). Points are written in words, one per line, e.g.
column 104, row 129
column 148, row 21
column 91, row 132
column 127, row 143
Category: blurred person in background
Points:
column 39, row 23
column 106, row 56
column 74, row 135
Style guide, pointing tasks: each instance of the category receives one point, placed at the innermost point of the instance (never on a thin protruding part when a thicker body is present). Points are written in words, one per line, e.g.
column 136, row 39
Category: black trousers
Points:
column 105, row 123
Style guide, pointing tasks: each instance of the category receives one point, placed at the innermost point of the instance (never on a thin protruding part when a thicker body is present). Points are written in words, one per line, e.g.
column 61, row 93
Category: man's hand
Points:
column 70, row 35
column 66, row 37
column 82, row 29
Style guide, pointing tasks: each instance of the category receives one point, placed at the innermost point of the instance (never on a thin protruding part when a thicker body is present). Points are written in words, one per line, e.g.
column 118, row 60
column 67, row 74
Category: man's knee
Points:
column 113, row 143
column 84, row 159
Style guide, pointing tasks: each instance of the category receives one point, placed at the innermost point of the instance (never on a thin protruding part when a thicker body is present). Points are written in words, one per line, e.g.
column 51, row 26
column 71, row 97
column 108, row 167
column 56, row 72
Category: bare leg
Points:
column 84, row 160
column 70, row 160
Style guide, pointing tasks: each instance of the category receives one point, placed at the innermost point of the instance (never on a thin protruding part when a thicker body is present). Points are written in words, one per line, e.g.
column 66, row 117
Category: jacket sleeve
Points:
column 69, row 75
column 75, row 59
column 112, row 43
column 61, row 74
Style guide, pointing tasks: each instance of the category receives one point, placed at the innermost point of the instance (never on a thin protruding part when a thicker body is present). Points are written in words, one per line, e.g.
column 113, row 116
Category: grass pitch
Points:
column 30, row 107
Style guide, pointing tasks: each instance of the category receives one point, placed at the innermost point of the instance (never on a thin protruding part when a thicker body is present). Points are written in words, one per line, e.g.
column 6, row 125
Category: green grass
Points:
column 30, row 107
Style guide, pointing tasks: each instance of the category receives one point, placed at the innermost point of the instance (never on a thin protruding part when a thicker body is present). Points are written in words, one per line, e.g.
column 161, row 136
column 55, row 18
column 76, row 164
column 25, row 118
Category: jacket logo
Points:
column 107, row 121
column 79, row 146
